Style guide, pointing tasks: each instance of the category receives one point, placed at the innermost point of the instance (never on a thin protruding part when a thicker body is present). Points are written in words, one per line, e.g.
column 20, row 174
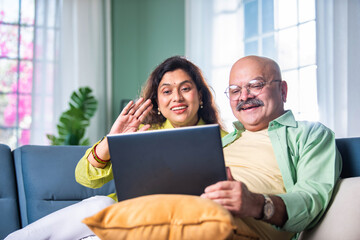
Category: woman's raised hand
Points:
column 132, row 116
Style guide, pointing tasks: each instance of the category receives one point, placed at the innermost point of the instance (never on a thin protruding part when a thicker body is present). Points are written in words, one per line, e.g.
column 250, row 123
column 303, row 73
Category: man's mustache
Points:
column 251, row 101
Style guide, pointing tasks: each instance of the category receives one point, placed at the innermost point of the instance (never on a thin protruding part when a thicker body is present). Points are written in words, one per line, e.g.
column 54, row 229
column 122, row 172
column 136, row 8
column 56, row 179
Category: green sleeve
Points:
column 316, row 166
column 90, row 176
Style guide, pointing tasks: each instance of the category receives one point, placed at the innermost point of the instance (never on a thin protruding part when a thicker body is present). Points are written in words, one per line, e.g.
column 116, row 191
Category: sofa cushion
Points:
column 46, row 180
column 163, row 217
column 9, row 213
column 341, row 221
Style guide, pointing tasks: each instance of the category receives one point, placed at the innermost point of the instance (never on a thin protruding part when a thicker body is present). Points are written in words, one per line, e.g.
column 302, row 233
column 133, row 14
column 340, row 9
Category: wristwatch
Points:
column 269, row 208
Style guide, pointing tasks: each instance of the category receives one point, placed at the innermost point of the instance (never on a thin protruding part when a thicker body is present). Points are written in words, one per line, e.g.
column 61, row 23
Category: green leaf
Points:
column 85, row 101
column 72, row 139
column 54, row 140
column 73, row 122
column 85, row 142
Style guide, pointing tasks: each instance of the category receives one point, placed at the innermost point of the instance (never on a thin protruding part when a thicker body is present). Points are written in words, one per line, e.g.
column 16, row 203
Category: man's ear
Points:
column 284, row 90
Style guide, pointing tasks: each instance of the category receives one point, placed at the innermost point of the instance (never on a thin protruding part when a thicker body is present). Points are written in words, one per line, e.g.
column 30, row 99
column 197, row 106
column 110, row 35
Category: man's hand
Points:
column 236, row 198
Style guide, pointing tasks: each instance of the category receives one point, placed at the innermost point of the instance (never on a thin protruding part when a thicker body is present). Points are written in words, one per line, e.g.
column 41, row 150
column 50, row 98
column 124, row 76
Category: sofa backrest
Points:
column 46, row 180
column 349, row 149
column 9, row 212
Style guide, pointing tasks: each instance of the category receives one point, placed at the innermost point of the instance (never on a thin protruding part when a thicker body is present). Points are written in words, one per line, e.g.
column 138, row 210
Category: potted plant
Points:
column 73, row 122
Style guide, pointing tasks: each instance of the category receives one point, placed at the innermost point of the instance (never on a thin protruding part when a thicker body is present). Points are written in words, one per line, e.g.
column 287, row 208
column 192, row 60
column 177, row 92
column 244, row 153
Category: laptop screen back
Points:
column 172, row 161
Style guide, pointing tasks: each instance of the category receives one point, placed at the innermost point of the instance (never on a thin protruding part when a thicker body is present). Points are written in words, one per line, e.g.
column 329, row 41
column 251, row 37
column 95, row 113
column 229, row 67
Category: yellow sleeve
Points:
column 90, row 176
column 223, row 133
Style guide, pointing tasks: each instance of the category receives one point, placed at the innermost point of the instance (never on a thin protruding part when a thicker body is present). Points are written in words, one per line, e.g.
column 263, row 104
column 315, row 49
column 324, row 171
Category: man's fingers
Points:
column 222, row 194
column 223, row 185
column 229, row 175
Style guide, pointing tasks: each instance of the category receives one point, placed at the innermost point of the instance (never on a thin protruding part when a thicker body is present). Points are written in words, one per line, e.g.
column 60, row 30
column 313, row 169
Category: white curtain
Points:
column 84, row 59
column 46, row 69
column 198, row 32
column 338, row 54
column 214, row 45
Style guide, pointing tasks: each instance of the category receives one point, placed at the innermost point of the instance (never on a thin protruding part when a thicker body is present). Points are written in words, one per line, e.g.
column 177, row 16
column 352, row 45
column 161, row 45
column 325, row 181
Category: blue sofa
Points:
column 38, row 180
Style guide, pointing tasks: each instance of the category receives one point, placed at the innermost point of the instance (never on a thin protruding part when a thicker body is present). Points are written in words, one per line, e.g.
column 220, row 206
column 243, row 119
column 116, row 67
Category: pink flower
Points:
column 25, row 137
column 4, row 49
column 9, row 115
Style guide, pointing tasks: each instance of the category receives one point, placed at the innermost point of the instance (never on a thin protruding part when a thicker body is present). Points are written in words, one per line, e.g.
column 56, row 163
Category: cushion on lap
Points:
column 163, row 216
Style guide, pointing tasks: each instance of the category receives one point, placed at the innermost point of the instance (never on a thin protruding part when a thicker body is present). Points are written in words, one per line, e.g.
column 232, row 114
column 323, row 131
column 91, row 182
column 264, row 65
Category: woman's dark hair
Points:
column 208, row 113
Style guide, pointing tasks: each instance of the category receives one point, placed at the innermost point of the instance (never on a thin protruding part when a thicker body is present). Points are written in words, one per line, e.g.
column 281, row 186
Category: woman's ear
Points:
column 200, row 96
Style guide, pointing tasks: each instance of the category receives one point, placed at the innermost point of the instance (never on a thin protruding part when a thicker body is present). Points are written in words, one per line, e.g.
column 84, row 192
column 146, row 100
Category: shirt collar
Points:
column 287, row 119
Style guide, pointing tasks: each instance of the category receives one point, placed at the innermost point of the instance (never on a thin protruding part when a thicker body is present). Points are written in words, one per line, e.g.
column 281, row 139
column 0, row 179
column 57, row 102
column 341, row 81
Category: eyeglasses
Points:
column 254, row 87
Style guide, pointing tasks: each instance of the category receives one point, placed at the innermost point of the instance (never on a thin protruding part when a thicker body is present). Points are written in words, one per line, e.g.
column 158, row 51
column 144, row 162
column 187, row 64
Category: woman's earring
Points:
column 159, row 113
column 201, row 104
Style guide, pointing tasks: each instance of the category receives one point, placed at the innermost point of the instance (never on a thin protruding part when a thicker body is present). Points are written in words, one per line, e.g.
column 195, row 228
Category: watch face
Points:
column 269, row 208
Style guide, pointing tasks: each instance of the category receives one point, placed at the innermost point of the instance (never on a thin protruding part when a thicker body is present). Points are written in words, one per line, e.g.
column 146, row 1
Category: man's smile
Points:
column 248, row 107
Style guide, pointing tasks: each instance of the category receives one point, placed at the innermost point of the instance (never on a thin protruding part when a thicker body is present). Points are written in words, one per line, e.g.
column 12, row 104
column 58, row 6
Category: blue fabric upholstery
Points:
column 349, row 149
column 9, row 212
column 46, row 180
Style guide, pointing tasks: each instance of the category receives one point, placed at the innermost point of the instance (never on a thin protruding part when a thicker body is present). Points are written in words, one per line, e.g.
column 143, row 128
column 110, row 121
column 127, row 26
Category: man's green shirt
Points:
column 310, row 165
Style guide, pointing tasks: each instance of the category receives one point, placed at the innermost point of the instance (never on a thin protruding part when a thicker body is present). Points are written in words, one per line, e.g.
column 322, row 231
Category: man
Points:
column 282, row 171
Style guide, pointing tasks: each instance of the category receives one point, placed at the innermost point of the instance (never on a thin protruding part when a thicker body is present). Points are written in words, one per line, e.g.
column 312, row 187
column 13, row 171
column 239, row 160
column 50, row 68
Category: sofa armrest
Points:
column 342, row 218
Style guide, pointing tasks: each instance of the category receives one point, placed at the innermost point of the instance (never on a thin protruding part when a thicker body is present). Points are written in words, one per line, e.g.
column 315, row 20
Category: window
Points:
column 29, row 33
column 16, row 70
column 283, row 30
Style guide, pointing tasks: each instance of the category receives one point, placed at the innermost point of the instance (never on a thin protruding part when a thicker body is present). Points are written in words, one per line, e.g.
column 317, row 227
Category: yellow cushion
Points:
column 163, row 216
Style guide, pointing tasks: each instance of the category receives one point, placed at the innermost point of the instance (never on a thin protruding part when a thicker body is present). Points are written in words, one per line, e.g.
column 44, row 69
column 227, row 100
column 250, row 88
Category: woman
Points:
column 176, row 96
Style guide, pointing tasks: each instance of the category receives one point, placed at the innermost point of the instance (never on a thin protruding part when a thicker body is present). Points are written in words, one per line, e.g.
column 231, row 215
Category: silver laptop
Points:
column 174, row 161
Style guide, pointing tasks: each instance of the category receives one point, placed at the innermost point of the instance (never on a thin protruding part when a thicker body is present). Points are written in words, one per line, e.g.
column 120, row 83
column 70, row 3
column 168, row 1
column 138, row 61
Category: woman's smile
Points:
column 178, row 109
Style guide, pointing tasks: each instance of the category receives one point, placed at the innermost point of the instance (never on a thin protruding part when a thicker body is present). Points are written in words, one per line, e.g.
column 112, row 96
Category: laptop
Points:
column 173, row 161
